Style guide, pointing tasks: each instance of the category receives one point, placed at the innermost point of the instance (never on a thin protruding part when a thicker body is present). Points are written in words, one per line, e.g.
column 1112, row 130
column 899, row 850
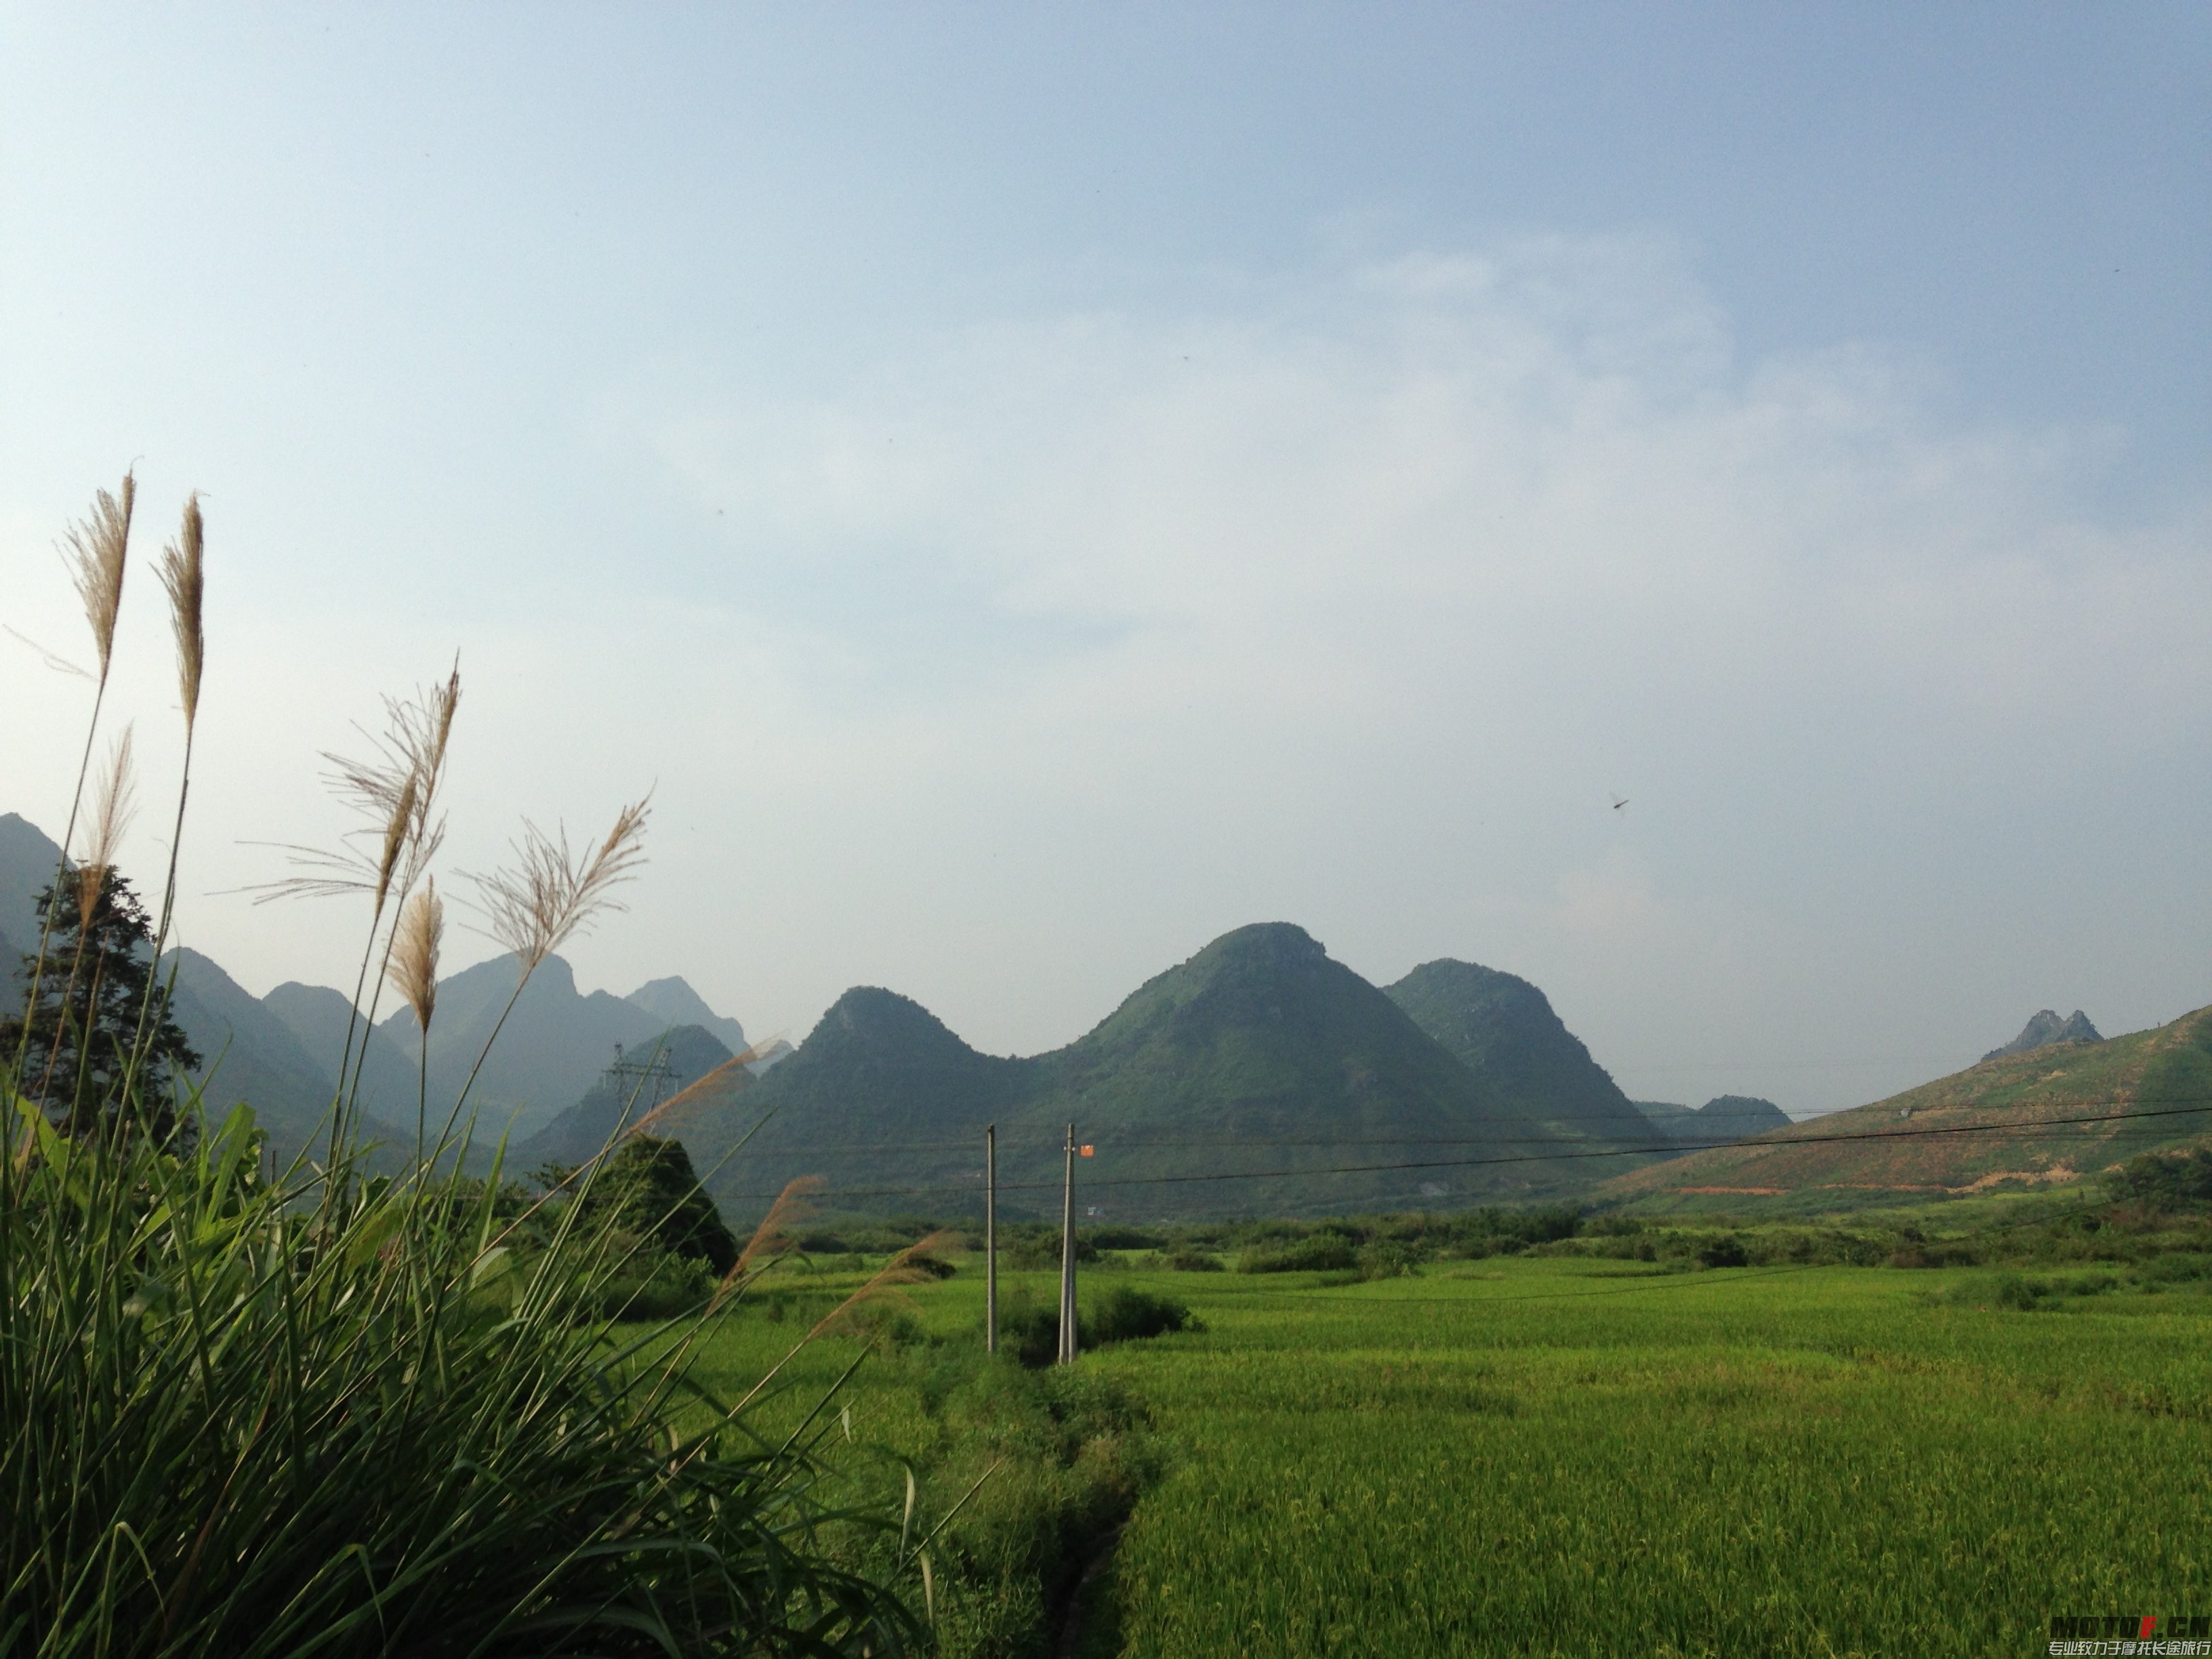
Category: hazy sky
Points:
column 1033, row 488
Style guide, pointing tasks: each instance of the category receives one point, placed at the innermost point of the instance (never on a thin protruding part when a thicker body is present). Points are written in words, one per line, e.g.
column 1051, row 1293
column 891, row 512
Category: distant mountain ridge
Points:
column 280, row 1053
column 673, row 1002
column 615, row 1101
column 2044, row 1027
column 1724, row 1117
column 1260, row 1059
column 1907, row 1148
column 1505, row 1030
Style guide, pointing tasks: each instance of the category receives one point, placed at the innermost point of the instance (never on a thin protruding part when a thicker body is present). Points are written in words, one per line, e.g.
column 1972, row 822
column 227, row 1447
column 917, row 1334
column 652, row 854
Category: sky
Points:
column 1029, row 489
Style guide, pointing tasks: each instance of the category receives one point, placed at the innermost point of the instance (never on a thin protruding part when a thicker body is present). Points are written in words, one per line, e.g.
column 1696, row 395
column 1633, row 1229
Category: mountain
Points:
column 12, row 986
column 1673, row 1121
column 250, row 1054
column 1725, row 1117
column 774, row 1052
column 1736, row 1116
column 317, row 1017
column 692, row 1052
column 27, row 862
column 1505, row 1030
column 1260, row 1056
column 673, row 1002
column 1741, row 1115
column 552, row 1047
column 2044, row 1029
column 2004, row 1107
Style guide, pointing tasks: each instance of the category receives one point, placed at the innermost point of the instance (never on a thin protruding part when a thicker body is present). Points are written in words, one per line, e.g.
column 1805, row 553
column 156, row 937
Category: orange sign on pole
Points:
column 1087, row 1150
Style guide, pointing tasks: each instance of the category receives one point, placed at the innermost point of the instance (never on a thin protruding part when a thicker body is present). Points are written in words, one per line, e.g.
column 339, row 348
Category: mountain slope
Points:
column 28, row 861
column 1725, row 1117
column 673, row 1002
column 2001, row 1105
column 317, row 1017
column 1505, row 1030
column 252, row 1056
column 691, row 1052
column 553, row 1047
column 2044, row 1027
column 1260, row 1056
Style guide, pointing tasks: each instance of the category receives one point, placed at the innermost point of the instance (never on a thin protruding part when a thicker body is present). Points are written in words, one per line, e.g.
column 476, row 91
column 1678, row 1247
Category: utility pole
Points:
column 1067, row 1258
column 991, row 1238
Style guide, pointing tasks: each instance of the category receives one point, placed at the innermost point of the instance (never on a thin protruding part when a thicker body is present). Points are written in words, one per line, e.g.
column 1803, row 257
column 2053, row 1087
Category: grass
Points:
column 255, row 1406
column 1587, row 1455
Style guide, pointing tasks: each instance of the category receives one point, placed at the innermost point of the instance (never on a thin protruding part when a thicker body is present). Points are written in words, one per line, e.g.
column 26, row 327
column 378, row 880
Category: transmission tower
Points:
column 651, row 1081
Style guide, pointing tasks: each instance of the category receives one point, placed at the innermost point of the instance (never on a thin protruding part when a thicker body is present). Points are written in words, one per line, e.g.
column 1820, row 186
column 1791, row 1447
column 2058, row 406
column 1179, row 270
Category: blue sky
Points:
column 1034, row 488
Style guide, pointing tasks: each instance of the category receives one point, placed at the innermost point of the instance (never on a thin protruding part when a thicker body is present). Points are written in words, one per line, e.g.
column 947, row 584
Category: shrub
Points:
column 1385, row 1259
column 1317, row 1253
column 647, row 1186
column 2174, row 1181
column 1126, row 1315
column 1029, row 1331
column 1726, row 1251
column 1120, row 1238
column 1192, row 1262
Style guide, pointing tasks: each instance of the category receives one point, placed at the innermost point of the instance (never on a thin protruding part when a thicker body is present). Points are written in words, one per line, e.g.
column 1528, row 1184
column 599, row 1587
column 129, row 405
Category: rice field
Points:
column 1580, row 1456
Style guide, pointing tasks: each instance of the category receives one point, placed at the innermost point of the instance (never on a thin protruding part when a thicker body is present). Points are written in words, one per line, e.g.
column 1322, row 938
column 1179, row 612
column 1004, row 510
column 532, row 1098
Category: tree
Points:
column 649, row 1187
column 94, row 991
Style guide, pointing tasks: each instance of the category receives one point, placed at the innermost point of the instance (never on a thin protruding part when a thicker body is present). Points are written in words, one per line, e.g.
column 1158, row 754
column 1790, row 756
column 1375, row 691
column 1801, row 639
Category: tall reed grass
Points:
column 252, row 1411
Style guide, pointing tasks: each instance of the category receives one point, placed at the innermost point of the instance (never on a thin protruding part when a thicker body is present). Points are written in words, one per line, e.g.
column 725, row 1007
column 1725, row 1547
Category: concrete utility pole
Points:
column 991, row 1239
column 1068, row 1259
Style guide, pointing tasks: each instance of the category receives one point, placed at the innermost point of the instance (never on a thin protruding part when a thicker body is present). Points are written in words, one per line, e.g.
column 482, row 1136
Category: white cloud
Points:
column 1404, row 564
column 1036, row 656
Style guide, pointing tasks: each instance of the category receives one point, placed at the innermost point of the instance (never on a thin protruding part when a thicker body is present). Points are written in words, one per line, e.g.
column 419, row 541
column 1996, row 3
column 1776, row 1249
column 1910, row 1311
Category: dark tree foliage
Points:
column 649, row 1187
column 2179, row 1182
column 94, row 991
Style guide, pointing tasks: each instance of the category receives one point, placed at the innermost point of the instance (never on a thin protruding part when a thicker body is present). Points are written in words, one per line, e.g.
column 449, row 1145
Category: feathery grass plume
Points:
column 535, row 908
column 95, row 548
column 794, row 1207
column 181, row 575
column 551, row 894
column 413, row 969
column 899, row 1270
column 692, row 1092
column 395, row 838
column 111, row 811
column 393, row 791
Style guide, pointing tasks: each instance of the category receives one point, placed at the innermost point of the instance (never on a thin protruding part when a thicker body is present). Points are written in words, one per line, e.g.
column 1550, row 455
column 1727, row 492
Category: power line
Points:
column 2010, row 1127
column 1611, row 1148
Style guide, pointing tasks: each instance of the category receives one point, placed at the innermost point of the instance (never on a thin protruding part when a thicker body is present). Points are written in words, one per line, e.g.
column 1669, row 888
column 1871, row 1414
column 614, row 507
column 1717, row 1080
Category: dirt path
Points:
column 1077, row 1618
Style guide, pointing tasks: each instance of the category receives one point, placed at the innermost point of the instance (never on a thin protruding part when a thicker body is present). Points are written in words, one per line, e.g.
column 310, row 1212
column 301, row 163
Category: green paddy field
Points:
column 1533, row 1456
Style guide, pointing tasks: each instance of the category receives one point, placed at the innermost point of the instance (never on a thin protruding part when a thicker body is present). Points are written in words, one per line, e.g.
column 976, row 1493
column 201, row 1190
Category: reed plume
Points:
column 181, row 575
column 537, row 906
column 551, row 894
column 732, row 1072
column 95, row 549
column 184, row 580
column 413, row 969
column 794, row 1207
column 393, row 790
column 395, row 837
column 901, row 1269
column 112, row 809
